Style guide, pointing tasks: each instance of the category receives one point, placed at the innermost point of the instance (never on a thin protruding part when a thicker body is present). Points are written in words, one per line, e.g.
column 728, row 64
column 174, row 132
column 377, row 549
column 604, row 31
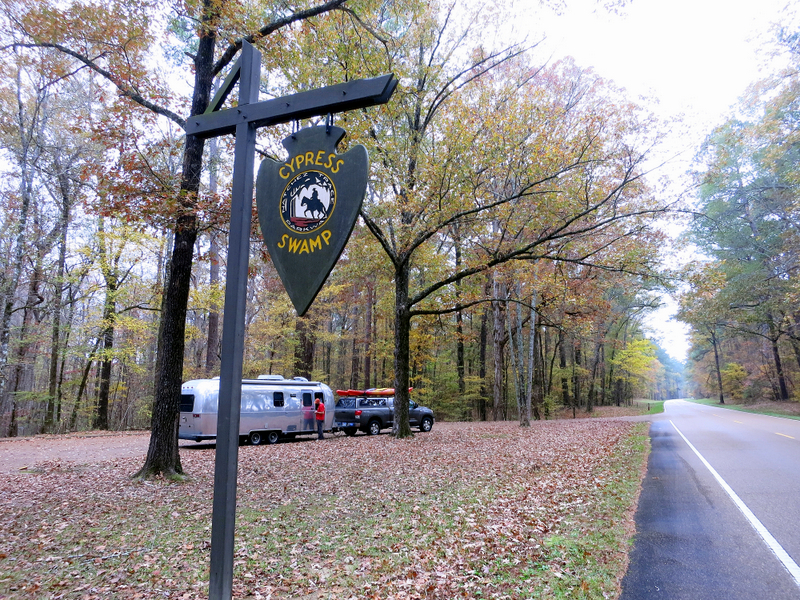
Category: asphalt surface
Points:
column 692, row 541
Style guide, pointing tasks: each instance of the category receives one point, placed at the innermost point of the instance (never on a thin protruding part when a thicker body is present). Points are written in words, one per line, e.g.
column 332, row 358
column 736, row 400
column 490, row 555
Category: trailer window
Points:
column 254, row 401
column 187, row 402
column 307, row 399
column 277, row 399
column 319, row 396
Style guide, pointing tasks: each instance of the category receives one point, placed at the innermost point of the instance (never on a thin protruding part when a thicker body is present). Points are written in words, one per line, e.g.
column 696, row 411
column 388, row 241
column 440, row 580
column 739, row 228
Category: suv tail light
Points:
column 358, row 413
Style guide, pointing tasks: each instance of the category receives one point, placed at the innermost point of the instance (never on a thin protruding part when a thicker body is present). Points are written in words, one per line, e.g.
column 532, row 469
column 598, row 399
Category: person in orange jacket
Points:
column 320, row 413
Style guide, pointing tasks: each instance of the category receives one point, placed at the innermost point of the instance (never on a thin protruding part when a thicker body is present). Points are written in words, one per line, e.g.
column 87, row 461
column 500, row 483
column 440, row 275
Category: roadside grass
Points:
column 471, row 510
column 786, row 410
column 638, row 407
column 649, row 407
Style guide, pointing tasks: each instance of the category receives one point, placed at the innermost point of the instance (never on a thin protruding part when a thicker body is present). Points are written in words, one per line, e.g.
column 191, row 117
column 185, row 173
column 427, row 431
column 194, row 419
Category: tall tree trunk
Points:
column 304, row 347
column 355, row 358
column 603, row 386
column 562, row 363
column 590, row 399
column 73, row 419
column 538, row 370
column 517, row 353
column 109, row 317
column 498, row 335
column 402, row 350
column 109, row 264
column 26, row 159
column 212, row 343
column 459, row 317
column 53, row 392
column 328, row 350
column 162, row 453
column 715, row 344
column 24, row 345
column 576, row 375
column 514, row 359
column 531, row 368
column 483, row 392
column 776, row 357
column 368, row 335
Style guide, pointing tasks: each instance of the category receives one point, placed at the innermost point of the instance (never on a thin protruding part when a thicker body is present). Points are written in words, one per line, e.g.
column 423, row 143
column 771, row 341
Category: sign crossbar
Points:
column 342, row 97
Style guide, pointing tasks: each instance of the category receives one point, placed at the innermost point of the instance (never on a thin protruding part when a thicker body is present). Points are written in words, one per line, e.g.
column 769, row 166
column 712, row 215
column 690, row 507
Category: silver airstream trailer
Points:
column 271, row 407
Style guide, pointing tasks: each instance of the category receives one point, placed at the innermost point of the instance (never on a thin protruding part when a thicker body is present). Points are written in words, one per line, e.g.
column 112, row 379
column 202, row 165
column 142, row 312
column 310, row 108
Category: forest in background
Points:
column 525, row 177
column 740, row 297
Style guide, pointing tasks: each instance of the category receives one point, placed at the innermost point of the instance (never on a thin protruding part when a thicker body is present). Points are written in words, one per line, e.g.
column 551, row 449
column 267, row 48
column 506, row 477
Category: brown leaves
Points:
column 468, row 509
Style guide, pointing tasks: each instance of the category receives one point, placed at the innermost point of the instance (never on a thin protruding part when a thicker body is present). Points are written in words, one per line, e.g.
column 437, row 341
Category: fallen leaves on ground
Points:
column 483, row 510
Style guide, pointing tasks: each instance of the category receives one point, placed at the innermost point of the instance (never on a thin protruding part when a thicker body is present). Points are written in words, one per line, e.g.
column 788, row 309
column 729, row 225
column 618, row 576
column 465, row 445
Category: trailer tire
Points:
column 374, row 427
column 273, row 437
column 256, row 439
column 426, row 424
column 350, row 431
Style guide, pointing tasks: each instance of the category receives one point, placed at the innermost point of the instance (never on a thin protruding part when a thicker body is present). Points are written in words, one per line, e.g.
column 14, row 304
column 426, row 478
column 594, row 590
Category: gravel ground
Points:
column 20, row 454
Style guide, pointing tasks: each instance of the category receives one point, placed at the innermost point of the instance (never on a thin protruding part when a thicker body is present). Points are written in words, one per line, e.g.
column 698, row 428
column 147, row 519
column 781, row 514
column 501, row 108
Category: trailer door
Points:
column 187, row 428
column 308, row 412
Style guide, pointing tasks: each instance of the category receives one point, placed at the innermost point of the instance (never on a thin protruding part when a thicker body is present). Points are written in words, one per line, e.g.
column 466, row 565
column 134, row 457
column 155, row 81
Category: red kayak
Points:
column 383, row 392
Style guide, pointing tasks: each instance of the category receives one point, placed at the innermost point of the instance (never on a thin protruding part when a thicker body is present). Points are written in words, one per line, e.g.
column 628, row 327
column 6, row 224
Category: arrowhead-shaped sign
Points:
column 307, row 207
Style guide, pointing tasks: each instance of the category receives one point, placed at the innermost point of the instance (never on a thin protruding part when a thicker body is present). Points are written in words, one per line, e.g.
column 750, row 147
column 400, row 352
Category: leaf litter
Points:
column 469, row 510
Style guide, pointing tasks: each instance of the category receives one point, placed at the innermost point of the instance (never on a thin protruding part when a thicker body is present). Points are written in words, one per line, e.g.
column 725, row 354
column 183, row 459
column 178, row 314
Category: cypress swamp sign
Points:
column 308, row 206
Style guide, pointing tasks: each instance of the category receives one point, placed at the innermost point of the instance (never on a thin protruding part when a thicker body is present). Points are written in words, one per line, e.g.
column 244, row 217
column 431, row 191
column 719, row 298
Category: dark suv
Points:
column 371, row 414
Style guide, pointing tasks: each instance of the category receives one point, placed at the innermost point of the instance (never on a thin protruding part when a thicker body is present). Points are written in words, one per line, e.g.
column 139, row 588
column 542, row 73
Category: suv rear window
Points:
column 346, row 402
column 372, row 401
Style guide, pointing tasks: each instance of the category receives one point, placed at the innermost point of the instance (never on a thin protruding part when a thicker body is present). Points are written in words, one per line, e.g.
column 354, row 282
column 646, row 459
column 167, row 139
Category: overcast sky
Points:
column 696, row 57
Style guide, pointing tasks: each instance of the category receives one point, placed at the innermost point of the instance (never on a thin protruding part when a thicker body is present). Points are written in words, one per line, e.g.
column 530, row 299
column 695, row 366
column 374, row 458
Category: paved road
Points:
column 692, row 540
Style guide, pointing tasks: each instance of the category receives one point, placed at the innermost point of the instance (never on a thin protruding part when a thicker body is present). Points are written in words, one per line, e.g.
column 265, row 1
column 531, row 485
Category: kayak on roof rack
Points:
column 384, row 392
column 373, row 409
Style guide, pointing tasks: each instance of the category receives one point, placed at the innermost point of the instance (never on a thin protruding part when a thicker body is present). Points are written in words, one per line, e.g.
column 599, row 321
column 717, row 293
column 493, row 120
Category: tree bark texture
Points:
column 776, row 357
column 715, row 344
column 162, row 454
column 498, row 342
column 484, row 340
column 304, row 350
column 212, row 347
column 369, row 333
column 53, row 391
column 402, row 351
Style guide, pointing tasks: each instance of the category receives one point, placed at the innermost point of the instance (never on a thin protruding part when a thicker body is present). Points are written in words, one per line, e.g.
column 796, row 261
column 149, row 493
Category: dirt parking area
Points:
column 20, row 454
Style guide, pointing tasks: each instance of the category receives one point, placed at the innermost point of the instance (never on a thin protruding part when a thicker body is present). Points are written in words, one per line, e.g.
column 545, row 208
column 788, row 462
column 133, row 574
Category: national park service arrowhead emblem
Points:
column 308, row 206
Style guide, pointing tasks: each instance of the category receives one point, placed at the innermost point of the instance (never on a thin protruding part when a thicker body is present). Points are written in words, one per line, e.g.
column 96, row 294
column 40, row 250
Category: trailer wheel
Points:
column 350, row 431
column 273, row 437
column 374, row 427
column 426, row 424
column 256, row 438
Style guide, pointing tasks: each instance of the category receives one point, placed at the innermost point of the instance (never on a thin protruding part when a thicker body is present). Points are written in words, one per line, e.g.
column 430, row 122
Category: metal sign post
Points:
column 244, row 120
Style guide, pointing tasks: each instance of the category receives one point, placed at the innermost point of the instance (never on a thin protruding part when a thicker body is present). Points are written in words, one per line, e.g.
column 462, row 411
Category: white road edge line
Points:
column 773, row 544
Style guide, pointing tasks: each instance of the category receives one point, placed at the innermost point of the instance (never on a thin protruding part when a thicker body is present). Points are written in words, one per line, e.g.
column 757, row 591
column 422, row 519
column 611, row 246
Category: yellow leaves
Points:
column 637, row 363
